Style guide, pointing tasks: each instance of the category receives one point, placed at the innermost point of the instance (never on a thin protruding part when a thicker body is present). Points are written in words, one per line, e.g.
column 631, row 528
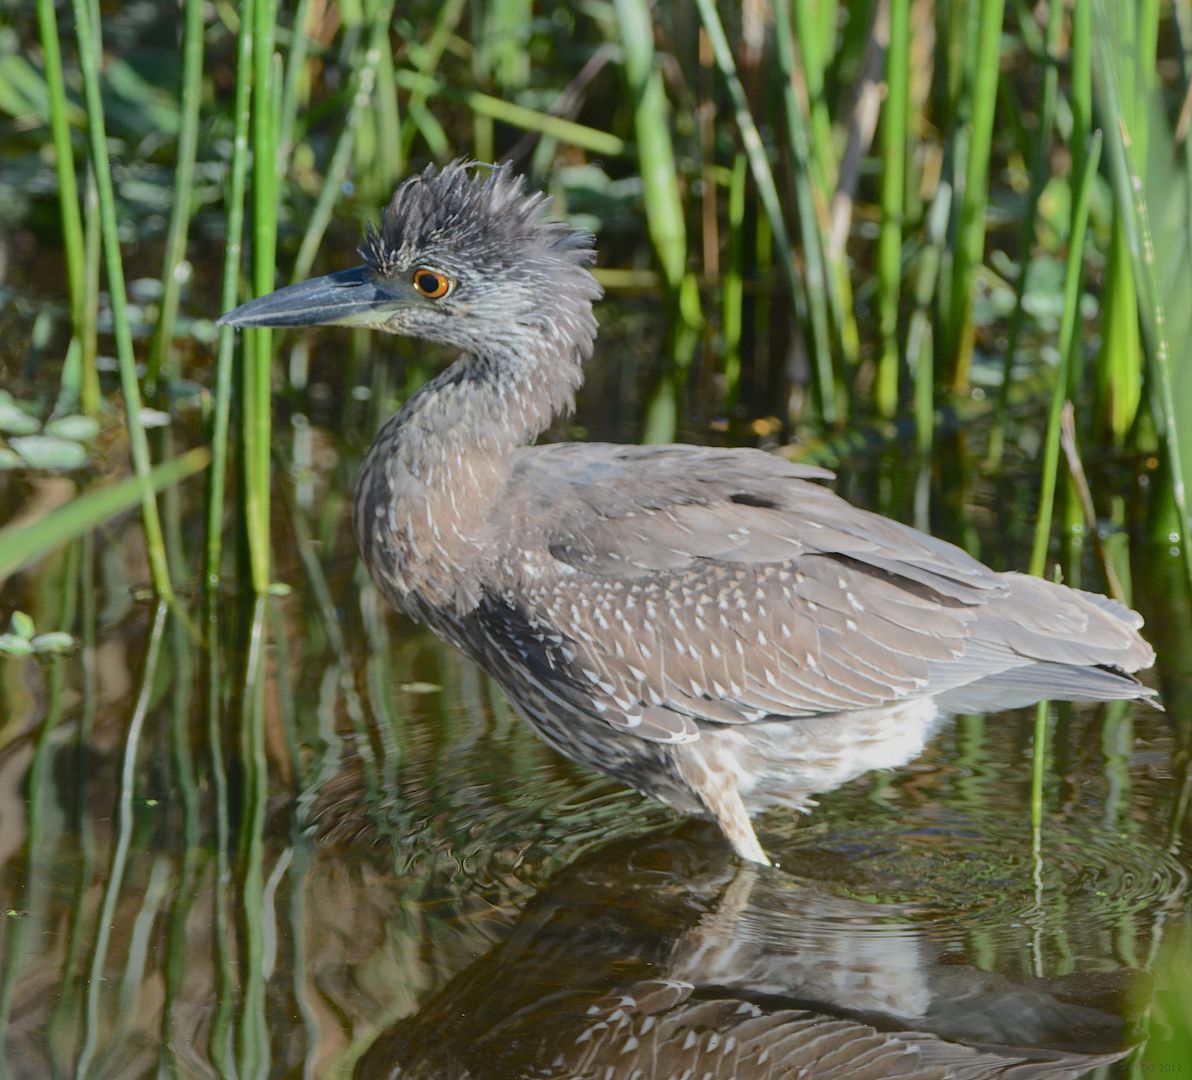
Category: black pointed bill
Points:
column 350, row 298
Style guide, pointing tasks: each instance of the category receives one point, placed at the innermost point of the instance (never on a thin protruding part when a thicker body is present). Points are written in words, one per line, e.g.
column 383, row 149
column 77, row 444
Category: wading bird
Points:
column 712, row 627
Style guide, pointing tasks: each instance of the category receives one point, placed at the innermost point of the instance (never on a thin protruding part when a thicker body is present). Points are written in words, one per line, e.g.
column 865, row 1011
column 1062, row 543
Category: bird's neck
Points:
column 431, row 485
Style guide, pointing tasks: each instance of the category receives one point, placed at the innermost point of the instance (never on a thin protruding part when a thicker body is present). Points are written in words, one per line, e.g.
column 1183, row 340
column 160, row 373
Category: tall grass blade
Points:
column 655, row 151
column 893, row 197
column 820, row 303
column 919, row 341
column 1134, row 214
column 732, row 295
column 810, row 41
column 387, row 159
column 182, row 207
column 567, row 131
column 229, row 293
column 25, row 544
column 89, row 49
column 258, row 382
column 337, row 167
column 815, row 151
column 763, row 177
column 425, row 58
column 661, row 189
column 296, row 85
column 68, row 195
column 970, row 226
column 1040, row 173
column 1072, row 276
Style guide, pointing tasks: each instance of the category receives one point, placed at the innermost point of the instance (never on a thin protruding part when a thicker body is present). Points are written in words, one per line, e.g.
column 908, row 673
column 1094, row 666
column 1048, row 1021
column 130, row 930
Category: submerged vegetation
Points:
column 958, row 235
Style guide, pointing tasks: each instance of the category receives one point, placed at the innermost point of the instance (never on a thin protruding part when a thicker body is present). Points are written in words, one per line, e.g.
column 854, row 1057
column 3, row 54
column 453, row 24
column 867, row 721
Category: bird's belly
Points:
column 785, row 762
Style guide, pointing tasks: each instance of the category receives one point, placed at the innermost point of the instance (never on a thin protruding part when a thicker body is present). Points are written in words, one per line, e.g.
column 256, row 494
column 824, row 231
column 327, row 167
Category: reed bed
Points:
column 817, row 275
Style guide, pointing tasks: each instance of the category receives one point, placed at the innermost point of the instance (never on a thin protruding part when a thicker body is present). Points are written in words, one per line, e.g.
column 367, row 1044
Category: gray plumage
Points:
column 692, row 621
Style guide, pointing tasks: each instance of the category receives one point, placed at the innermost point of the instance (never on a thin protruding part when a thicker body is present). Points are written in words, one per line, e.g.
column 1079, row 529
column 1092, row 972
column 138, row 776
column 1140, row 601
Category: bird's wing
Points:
column 665, row 586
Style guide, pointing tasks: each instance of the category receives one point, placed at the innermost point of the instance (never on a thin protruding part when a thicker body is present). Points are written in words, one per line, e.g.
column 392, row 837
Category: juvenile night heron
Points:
column 710, row 627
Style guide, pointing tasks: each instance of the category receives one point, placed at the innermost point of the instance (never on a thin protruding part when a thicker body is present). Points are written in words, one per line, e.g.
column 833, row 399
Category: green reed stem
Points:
column 919, row 340
column 180, row 214
column 1040, row 174
column 1073, row 272
column 970, row 231
column 89, row 46
column 655, row 151
column 661, row 187
column 258, row 343
column 809, row 41
column 733, row 285
column 819, row 293
column 813, row 41
column 229, row 292
column 92, row 257
column 821, row 361
column 341, row 156
column 1080, row 82
column 426, row 57
column 68, row 192
column 895, row 115
column 568, row 131
column 1119, row 372
column 295, row 87
column 387, row 164
column 1128, row 190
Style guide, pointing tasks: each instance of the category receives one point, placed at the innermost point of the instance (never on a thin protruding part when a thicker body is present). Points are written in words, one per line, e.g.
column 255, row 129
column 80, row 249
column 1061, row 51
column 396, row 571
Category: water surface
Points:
column 304, row 839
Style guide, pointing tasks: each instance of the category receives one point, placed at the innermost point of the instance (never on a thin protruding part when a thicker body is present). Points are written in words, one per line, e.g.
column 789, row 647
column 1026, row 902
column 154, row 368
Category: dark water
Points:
column 303, row 839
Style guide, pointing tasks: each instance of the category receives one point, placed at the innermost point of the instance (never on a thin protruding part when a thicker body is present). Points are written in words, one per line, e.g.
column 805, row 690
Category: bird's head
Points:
column 465, row 256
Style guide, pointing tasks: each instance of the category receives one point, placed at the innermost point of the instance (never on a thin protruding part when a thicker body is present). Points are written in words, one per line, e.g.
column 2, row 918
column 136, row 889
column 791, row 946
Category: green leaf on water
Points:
column 49, row 452
column 11, row 645
column 55, row 641
column 77, row 427
column 13, row 419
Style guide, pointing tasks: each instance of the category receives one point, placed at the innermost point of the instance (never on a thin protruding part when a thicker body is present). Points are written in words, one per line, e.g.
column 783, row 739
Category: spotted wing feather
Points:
column 678, row 585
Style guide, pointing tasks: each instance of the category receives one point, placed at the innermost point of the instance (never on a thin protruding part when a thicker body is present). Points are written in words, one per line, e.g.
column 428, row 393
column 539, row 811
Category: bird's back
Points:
column 677, row 586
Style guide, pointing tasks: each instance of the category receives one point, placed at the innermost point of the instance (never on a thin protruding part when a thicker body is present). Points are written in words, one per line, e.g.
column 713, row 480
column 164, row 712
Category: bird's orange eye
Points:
column 431, row 284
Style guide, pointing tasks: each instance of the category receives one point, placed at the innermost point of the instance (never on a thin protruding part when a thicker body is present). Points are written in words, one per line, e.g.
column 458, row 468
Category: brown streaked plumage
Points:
column 687, row 620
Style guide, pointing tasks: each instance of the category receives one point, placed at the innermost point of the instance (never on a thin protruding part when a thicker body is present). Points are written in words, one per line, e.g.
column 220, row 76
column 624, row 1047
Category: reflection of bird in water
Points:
column 691, row 621
column 644, row 960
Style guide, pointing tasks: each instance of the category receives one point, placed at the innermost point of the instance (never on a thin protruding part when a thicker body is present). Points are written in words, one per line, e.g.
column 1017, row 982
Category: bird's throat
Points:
column 430, row 485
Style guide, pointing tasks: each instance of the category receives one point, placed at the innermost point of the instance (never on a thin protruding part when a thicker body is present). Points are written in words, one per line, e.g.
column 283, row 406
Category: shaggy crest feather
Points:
column 453, row 214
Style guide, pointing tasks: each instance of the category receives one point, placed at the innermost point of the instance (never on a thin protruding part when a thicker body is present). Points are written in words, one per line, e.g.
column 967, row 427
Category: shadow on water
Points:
column 650, row 959
column 304, row 839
